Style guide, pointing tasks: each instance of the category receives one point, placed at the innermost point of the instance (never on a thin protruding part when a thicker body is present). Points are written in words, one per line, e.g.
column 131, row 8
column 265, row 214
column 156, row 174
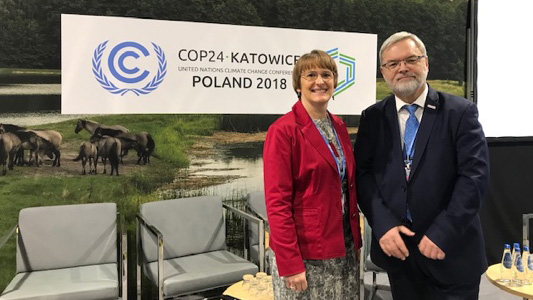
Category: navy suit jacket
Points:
column 449, row 179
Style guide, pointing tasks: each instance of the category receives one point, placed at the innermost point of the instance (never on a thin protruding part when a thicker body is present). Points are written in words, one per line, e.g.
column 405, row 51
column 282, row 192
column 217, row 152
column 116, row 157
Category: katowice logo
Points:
column 346, row 74
column 130, row 68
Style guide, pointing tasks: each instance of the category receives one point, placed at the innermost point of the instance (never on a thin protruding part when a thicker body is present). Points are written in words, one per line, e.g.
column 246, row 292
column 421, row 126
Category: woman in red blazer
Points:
column 310, row 191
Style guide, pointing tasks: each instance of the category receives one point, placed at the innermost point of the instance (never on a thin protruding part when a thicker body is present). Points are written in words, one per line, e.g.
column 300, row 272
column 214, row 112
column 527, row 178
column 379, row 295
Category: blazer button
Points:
column 354, row 215
column 404, row 188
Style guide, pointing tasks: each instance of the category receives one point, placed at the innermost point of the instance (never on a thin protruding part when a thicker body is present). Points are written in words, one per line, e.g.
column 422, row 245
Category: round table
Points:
column 238, row 291
column 493, row 274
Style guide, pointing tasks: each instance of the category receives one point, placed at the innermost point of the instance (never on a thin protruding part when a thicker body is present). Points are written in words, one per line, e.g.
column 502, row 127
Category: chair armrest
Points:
column 153, row 230
column 123, row 237
column 9, row 235
column 260, row 229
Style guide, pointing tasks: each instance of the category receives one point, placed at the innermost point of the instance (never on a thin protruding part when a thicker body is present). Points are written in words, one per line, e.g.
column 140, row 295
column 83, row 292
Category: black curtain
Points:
column 510, row 193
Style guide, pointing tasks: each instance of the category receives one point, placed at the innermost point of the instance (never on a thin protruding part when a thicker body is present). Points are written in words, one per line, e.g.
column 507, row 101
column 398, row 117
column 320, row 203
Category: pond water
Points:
column 242, row 161
column 19, row 98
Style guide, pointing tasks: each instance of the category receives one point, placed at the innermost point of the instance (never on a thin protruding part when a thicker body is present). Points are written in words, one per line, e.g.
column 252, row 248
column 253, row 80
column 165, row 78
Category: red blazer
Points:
column 303, row 192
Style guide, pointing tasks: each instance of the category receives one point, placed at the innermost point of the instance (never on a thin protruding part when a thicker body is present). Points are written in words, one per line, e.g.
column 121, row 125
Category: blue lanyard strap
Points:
column 341, row 166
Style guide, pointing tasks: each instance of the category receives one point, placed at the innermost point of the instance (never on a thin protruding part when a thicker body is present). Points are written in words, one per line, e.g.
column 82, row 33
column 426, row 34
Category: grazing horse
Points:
column 91, row 126
column 144, row 143
column 55, row 138
column 108, row 147
column 88, row 153
column 29, row 141
column 9, row 145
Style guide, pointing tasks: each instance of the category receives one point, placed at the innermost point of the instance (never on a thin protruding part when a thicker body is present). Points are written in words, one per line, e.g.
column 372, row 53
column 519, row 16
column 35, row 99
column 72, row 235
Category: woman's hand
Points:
column 296, row 282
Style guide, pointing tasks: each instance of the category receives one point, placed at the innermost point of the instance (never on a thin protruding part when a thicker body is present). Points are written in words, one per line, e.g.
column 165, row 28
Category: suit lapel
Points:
column 310, row 133
column 391, row 114
column 424, row 131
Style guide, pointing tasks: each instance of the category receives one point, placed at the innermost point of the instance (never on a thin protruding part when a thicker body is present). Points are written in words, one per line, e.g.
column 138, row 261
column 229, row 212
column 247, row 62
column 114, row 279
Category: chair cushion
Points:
column 78, row 283
column 199, row 272
column 65, row 236
column 189, row 226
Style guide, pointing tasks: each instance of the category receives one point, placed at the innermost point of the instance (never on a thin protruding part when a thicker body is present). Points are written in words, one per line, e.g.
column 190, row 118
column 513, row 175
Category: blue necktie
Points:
column 411, row 128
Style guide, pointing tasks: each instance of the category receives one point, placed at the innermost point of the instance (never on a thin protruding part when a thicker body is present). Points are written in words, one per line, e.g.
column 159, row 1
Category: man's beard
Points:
column 409, row 88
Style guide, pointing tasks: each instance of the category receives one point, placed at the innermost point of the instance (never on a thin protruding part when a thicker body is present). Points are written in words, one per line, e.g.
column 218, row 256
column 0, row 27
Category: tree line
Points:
column 30, row 30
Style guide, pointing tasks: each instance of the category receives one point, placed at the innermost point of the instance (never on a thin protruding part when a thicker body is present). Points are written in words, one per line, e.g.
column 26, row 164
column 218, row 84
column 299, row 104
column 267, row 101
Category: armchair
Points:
column 181, row 246
column 366, row 264
column 69, row 252
column 255, row 204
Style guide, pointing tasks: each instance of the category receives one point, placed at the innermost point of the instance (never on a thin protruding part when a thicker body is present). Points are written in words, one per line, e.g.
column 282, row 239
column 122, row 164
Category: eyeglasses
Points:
column 313, row 76
column 411, row 60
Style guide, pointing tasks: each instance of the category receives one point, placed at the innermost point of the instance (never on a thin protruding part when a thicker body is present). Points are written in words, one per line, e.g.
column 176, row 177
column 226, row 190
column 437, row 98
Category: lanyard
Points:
column 341, row 166
column 408, row 155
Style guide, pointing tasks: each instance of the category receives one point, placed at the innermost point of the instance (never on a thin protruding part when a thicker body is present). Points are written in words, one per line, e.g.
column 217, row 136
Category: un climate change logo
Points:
column 349, row 74
column 130, row 77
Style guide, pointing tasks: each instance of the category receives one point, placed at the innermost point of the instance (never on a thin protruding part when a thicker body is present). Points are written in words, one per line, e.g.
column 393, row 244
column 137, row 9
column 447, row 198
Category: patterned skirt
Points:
column 336, row 278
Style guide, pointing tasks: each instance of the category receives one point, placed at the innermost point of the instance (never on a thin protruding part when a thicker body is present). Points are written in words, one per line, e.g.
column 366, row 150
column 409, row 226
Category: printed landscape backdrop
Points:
column 195, row 154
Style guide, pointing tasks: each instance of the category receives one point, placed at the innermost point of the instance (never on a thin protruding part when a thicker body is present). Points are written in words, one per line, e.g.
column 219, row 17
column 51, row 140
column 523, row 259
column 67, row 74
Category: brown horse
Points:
column 108, row 148
column 29, row 141
column 10, row 128
column 55, row 138
column 87, row 153
column 143, row 142
column 91, row 126
column 9, row 145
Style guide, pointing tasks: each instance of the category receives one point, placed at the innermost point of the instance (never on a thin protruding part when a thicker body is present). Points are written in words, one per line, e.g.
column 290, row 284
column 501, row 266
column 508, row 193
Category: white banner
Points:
column 115, row 65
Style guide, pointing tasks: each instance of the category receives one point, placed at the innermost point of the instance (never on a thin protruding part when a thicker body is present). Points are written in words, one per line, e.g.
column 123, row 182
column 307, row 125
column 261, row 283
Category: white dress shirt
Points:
column 403, row 114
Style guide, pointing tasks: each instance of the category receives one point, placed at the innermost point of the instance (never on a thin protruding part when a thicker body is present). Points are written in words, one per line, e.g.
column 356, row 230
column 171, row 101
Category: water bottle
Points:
column 513, row 251
column 526, row 259
column 529, row 268
column 517, row 267
column 505, row 266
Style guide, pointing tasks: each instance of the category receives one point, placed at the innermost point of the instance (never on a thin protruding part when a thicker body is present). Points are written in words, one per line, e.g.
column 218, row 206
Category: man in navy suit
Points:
column 422, row 172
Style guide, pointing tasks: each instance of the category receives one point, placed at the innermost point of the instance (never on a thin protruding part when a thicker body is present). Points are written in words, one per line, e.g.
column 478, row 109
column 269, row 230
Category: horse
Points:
column 9, row 145
column 91, row 126
column 88, row 153
column 55, row 138
column 108, row 147
column 29, row 141
column 145, row 144
column 10, row 128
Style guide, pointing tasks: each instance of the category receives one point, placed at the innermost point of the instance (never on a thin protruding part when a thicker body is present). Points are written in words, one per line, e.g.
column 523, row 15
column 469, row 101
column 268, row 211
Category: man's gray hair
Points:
column 398, row 36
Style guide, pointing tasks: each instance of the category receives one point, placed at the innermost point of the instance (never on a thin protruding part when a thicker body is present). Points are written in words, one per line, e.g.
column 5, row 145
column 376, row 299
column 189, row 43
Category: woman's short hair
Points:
column 313, row 59
column 398, row 36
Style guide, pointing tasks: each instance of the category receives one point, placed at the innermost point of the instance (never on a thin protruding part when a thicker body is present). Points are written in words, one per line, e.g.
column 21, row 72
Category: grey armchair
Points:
column 72, row 252
column 255, row 205
column 181, row 246
column 366, row 265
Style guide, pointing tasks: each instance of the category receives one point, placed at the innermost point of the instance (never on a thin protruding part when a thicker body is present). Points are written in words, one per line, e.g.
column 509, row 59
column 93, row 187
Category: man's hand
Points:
column 392, row 243
column 296, row 282
column 430, row 249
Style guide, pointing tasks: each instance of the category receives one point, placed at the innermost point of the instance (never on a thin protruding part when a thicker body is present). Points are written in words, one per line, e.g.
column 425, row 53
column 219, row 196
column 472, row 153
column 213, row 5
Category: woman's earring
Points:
column 332, row 97
column 299, row 94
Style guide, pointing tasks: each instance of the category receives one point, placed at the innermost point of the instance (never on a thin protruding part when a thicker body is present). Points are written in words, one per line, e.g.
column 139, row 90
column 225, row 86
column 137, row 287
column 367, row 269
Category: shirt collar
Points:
column 420, row 101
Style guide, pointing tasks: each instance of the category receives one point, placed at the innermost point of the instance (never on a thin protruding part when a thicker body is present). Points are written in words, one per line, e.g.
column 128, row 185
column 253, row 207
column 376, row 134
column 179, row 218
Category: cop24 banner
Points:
column 127, row 65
